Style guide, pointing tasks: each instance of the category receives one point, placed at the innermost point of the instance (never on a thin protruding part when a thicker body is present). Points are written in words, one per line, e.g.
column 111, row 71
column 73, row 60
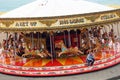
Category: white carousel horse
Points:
column 69, row 51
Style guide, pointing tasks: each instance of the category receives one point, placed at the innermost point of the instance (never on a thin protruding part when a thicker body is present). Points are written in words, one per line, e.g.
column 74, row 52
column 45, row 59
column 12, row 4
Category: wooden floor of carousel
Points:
column 56, row 67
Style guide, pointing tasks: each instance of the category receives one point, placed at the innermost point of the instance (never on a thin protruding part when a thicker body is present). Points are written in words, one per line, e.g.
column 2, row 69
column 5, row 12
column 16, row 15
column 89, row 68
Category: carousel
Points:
column 53, row 38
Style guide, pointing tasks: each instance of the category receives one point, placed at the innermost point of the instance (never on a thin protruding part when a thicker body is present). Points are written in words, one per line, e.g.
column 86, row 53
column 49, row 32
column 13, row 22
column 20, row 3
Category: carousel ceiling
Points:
column 52, row 8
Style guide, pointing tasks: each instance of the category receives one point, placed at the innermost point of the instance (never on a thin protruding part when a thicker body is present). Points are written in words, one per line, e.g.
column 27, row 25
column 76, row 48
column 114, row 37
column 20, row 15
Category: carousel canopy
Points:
column 51, row 8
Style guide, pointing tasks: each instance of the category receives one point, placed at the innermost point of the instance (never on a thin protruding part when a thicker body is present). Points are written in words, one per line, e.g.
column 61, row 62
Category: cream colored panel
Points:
column 27, row 24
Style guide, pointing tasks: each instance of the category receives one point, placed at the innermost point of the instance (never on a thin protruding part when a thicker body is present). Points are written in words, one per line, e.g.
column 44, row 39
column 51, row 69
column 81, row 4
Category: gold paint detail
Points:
column 49, row 29
column 48, row 22
column 92, row 18
column 7, row 23
column 118, row 13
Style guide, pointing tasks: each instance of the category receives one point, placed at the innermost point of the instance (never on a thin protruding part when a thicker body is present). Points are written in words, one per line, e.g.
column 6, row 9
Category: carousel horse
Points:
column 39, row 53
column 97, row 45
column 64, row 50
column 69, row 51
column 29, row 54
column 111, row 34
column 44, row 53
column 85, row 47
column 75, row 50
column 35, row 53
column 20, row 50
column 87, row 40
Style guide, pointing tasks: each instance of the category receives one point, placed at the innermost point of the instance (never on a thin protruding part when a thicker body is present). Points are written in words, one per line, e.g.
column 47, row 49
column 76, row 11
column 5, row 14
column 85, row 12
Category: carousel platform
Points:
column 57, row 67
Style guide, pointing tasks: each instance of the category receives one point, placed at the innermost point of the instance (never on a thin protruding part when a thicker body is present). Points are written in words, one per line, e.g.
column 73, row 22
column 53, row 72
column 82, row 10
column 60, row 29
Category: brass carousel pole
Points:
column 77, row 38
column 64, row 37
column 53, row 38
column 7, row 40
column 113, row 46
column 30, row 46
column 80, row 39
column 51, row 46
column 14, row 38
column 32, row 41
column 14, row 42
column 109, row 30
column 118, row 29
column 113, row 31
column 6, row 45
column 89, row 36
column 104, row 29
column 89, row 39
column 113, row 38
column 69, row 38
column 38, row 40
column 101, row 32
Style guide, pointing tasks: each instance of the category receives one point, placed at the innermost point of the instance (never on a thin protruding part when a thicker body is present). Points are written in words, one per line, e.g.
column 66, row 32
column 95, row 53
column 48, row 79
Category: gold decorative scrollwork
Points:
column 118, row 13
column 92, row 18
column 48, row 22
column 7, row 23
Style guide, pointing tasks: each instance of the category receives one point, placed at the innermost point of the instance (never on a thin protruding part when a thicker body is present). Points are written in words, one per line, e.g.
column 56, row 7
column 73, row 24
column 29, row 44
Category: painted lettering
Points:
column 33, row 23
column 72, row 21
column 109, row 16
column 21, row 24
column 27, row 24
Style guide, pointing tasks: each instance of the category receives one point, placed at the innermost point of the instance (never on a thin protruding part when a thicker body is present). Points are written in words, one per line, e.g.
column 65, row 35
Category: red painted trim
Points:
column 67, row 71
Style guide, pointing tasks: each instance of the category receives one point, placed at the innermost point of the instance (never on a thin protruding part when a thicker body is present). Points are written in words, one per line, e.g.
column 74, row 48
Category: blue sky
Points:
column 107, row 2
column 7, row 5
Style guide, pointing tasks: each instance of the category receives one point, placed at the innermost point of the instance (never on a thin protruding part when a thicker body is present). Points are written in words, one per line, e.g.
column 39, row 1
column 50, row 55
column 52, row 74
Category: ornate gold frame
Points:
column 48, row 21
